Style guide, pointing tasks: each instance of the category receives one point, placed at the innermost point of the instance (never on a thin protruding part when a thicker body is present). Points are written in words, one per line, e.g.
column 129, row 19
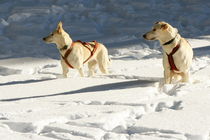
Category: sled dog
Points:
column 76, row 53
column 177, row 52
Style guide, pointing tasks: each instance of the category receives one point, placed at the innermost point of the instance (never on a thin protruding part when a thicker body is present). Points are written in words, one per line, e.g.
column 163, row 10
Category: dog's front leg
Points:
column 167, row 77
column 81, row 72
column 64, row 68
column 185, row 76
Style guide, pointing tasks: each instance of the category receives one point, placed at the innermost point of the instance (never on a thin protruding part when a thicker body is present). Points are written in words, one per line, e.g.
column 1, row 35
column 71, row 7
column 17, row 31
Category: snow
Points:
column 130, row 103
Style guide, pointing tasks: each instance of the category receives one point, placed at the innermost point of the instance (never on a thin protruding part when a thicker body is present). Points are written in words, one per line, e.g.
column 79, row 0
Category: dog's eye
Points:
column 154, row 29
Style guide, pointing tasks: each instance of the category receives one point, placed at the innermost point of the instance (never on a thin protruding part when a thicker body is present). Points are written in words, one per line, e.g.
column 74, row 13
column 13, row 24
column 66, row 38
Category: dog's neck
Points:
column 171, row 43
column 64, row 48
column 169, row 39
column 64, row 45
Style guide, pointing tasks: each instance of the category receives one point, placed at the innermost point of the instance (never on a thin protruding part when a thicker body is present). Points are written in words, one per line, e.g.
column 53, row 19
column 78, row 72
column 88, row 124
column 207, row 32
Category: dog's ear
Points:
column 157, row 22
column 60, row 27
column 164, row 26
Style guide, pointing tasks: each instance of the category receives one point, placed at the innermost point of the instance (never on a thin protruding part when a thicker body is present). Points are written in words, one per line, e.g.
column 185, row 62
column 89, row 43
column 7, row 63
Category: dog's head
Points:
column 161, row 31
column 58, row 36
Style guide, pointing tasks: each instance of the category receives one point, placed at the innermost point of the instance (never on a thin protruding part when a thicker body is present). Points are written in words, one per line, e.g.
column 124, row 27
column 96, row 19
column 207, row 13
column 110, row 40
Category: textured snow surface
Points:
column 130, row 103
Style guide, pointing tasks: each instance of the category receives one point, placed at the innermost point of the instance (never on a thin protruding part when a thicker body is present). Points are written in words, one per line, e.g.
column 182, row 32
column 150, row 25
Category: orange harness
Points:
column 85, row 44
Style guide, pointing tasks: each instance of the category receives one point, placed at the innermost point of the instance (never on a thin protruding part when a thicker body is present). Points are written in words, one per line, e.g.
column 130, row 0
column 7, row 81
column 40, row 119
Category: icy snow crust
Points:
column 130, row 103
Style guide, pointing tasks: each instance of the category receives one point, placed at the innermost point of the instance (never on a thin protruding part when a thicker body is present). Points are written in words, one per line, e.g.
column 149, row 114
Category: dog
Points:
column 177, row 52
column 75, row 54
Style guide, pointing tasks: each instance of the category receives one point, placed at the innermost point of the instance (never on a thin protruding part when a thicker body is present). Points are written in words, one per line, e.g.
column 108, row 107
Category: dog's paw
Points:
column 62, row 76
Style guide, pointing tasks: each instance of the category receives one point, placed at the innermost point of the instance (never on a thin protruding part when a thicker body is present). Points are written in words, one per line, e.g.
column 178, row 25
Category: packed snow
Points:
column 131, row 102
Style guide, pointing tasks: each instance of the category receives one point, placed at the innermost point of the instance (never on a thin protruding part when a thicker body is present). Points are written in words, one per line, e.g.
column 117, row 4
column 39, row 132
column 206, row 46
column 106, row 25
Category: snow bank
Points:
column 24, row 23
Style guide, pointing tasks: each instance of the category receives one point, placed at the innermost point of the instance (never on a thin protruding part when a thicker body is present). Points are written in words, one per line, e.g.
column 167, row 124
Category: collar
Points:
column 170, row 41
column 64, row 48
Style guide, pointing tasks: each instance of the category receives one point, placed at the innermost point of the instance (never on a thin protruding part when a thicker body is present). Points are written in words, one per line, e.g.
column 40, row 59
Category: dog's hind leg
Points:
column 64, row 68
column 103, row 67
column 103, row 61
column 91, row 67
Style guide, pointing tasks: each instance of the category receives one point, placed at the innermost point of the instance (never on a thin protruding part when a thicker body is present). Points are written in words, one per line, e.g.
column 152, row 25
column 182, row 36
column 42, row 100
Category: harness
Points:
column 170, row 56
column 171, row 59
column 94, row 45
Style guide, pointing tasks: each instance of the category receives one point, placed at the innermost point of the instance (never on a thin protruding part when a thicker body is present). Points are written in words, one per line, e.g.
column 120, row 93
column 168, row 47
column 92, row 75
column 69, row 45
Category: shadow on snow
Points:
column 97, row 88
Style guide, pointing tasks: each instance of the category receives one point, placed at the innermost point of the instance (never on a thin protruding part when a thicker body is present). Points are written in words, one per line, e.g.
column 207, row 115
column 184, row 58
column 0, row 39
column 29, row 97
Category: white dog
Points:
column 75, row 54
column 177, row 55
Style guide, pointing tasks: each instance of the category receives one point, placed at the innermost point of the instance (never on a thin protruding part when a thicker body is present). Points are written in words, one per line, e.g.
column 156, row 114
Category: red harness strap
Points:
column 66, row 55
column 85, row 44
column 171, row 59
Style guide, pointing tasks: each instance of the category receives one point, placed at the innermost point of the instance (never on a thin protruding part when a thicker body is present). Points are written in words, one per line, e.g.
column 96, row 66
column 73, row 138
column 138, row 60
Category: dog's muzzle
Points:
column 144, row 36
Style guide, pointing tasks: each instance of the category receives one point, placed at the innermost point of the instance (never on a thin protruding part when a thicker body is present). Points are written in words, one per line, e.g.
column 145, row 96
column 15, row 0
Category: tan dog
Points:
column 75, row 54
column 177, row 55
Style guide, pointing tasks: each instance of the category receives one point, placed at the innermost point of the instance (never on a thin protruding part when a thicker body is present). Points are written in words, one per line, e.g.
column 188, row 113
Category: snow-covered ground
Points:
column 130, row 103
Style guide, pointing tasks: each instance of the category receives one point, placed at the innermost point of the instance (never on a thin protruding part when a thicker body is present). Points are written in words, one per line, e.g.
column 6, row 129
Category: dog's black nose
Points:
column 44, row 38
column 144, row 36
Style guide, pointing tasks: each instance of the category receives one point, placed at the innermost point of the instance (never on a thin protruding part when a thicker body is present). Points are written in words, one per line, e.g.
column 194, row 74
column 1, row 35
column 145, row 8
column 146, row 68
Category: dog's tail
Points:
column 107, row 58
column 103, row 59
